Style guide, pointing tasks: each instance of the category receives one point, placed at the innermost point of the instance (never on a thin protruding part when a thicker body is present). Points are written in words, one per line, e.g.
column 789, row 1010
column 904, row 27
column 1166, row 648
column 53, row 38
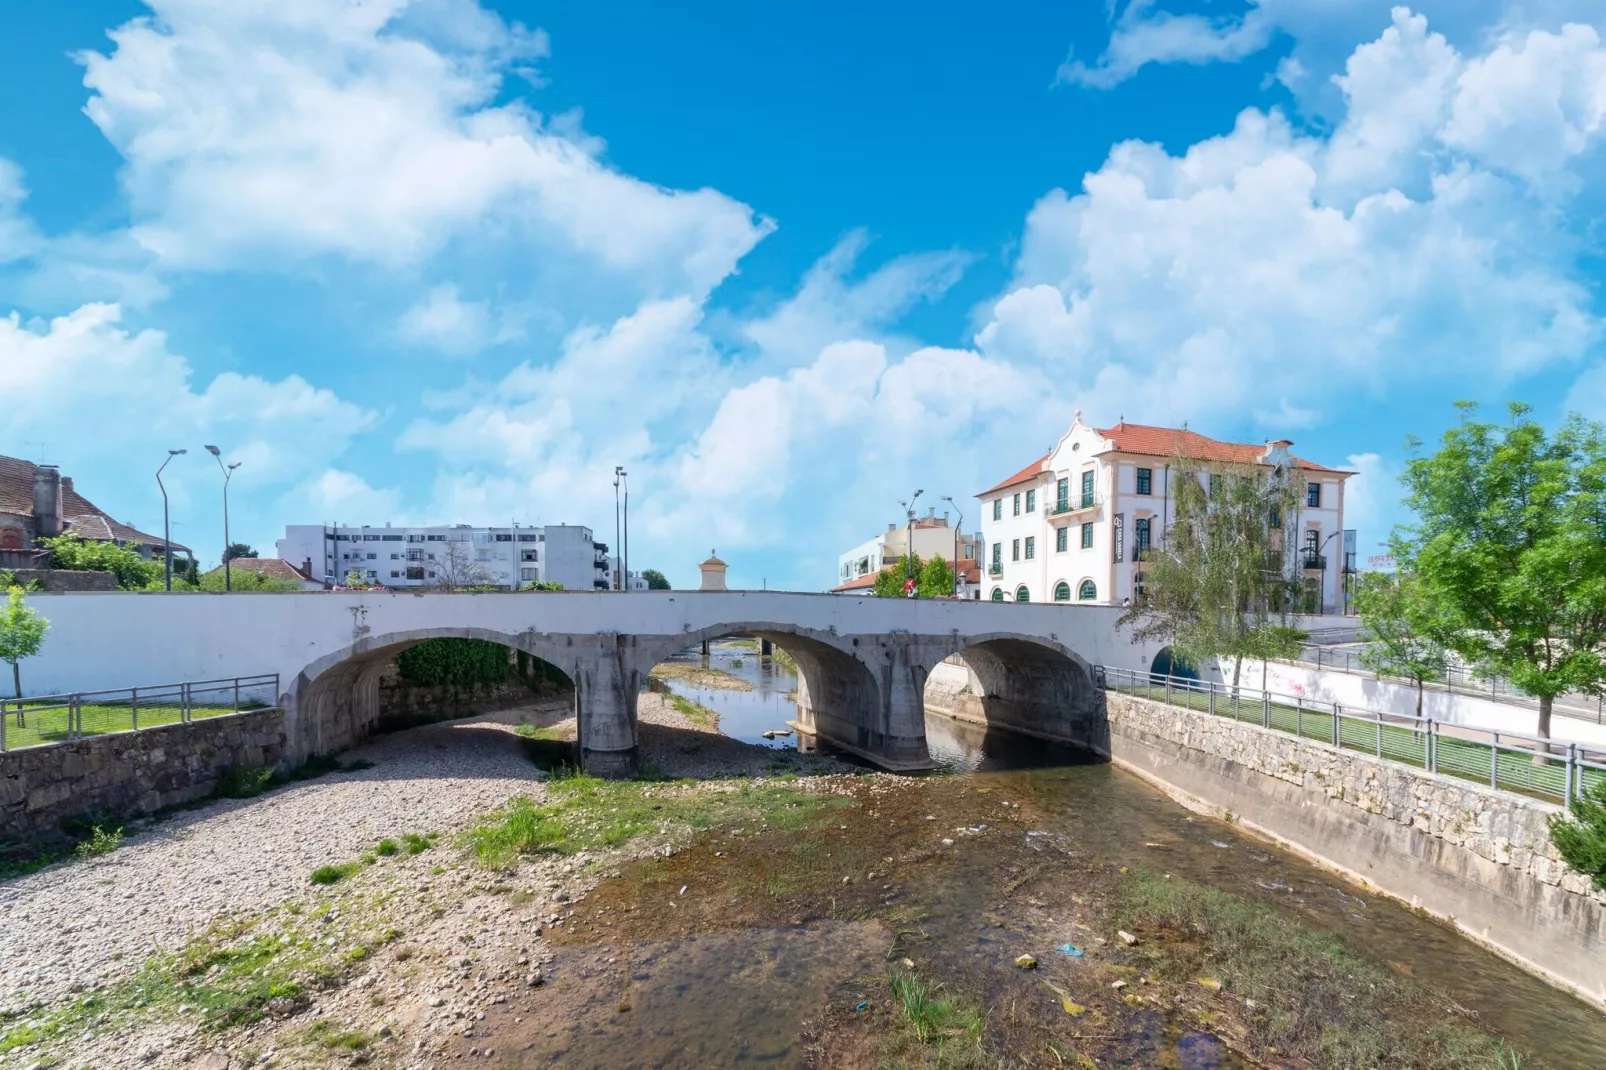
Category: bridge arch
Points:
column 334, row 702
column 840, row 695
column 1026, row 684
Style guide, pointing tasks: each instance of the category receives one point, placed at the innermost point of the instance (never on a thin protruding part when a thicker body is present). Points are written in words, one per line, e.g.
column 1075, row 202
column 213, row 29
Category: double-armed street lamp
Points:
column 167, row 530
column 909, row 535
column 228, row 474
column 959, row 522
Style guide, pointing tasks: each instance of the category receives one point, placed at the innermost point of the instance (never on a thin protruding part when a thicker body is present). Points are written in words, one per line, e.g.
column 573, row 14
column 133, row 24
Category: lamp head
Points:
column 175, row 453
column 235, row 465
column 213, row 450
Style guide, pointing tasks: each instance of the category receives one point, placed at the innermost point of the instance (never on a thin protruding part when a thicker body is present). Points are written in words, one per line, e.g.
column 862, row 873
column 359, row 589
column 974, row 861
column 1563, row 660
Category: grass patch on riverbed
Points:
column 1313, row 994
column 583, row 812
column 699, row 675
column 234, row 973
column 695, row 712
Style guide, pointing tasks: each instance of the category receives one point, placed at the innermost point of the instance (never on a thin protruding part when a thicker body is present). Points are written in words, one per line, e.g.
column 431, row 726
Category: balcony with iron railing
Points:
column 1072, row 505
column 1314, row 562
column 1143, row 552
column 995, row 569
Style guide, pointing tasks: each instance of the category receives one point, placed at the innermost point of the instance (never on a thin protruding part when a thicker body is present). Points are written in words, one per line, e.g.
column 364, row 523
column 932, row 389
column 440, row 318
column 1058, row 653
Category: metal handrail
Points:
column 1554, row 769
column 180, row 697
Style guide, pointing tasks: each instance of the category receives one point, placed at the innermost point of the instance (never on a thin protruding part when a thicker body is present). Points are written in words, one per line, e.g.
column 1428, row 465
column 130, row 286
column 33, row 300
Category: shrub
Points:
column 437, row 662
column 1582, row 840
column 133, row 572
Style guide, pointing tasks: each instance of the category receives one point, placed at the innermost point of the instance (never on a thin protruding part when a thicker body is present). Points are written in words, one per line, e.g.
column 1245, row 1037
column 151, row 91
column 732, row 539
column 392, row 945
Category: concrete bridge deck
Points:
column 862, row 662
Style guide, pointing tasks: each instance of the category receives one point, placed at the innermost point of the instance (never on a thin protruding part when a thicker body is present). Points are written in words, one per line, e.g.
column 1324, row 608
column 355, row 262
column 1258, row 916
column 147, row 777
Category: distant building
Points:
column 933, row 537
column 272, row 568
column 713, row 571
column 38, row 502
column 423, row 557
column 1075, row 525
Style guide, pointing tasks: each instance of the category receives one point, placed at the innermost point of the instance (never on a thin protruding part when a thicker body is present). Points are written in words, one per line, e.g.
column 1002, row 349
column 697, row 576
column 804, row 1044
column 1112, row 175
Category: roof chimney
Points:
column 66, row 487
column 47, row 501
column 1283, row 442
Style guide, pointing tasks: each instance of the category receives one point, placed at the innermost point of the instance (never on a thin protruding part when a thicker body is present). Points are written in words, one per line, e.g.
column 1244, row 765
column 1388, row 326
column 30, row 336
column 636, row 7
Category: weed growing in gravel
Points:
column 414, row 844
column 928, row 1016
column 329, row 1036
column 102, row 841
column 234, row 973
column 583, row 812
column 695, row 712
column 334, row 874
column 387, row 847
column 1320, row 998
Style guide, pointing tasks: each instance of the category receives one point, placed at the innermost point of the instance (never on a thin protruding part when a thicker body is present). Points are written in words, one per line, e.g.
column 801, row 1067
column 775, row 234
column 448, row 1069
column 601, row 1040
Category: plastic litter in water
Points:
column 1070, row 949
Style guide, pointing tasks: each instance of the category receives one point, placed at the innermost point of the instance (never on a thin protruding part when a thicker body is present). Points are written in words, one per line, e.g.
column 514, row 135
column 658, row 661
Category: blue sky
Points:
column 447, row 260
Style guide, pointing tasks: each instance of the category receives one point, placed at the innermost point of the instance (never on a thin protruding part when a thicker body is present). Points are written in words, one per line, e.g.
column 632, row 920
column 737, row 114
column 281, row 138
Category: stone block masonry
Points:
column 127, row 774
column 1474, row 856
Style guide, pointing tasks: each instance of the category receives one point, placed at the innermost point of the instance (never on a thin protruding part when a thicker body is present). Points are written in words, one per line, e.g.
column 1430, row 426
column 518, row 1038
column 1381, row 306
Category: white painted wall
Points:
column 1322, row 687
column 110, row 640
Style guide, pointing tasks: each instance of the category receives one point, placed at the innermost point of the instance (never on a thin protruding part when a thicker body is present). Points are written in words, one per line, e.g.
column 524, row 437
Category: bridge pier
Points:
column 605, row 685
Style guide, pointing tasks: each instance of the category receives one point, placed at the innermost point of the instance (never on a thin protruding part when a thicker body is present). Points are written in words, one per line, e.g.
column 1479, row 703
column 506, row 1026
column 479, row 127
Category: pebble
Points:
column 1026, row 962
column 1126, row 938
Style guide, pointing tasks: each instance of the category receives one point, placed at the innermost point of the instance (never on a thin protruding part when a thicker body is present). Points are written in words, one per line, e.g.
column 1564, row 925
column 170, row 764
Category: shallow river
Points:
column 706, row 989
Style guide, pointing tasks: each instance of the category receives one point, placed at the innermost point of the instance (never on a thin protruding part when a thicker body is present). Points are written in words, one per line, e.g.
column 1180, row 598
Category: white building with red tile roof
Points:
column 933, row 537
column 1072, row 525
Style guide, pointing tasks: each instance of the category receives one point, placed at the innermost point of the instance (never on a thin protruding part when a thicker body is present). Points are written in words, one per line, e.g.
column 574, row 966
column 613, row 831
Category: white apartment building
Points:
column 1073, row 526
column 409, row 557
column 933, row 537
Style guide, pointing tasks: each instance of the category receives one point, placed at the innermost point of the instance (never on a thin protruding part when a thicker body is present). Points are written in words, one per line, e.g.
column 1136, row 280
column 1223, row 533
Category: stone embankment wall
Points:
column 403, row 705
column 61, row 579
column 129, row 773
column 1472, row 855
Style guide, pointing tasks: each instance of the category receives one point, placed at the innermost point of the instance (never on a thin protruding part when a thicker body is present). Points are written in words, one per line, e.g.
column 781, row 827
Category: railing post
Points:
column 133, row 707
column 1572, row 764
column 1494, row 762
column 1338, row 740
column 1168, row 689
column 1299, row 716
column 1379, row 716
column 2, row 726
column 184, row 703
column 236, row 694
column 1430, row 749
column 1265, row 709
column 1212, row 698
column 75, row 718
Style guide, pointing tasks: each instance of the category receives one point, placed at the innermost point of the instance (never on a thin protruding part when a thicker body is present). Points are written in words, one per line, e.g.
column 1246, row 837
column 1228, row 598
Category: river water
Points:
column 707, row 985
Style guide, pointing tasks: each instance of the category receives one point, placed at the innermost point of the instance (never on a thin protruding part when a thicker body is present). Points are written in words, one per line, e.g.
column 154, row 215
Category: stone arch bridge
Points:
column 862, row 662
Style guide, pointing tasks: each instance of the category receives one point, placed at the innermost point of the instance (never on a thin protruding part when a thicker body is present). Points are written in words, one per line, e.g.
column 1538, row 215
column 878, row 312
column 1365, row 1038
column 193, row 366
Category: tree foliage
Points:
column 456, row 569
column 73, row 552
column 1224, row 580
column 1510, row 546
column 1582, row 840
column 544, row 585
column 933, row 579
column 464, row 662
column 1406, row 634
column 656, row 581
column 246, row 579
column 22, row 633
column 238, row 550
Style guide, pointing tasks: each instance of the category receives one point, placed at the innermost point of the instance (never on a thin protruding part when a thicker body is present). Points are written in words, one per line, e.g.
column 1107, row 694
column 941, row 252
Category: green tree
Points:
column 933, row 579
column 1224, row 579
column 246, row 579
column 936, row 579
column 1404, row 633
column 133, row 572
column 1510, row 547
column 656, row 581
column 238, row 550
column 22, row 633
column 544, row 585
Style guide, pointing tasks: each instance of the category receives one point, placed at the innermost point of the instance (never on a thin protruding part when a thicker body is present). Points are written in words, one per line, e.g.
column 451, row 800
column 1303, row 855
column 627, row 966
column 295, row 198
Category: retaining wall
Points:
column 129, row 773
column 1477, row 857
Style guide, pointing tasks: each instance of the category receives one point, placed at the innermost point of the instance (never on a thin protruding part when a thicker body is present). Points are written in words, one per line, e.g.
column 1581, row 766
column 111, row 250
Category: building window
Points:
column 1014, row 550
column 370, row 538
column 998, row 554
column 1145, row 480
column 525, row 537
column 1215, row 484
column 1061, row 540
column 390, row 538
column 1141, row 532
column 998, row 594
column 1088, row 592
column 395, row 575
column 1087, row 489
column 1276, row 518
column 535, row 555
column 998, row 508
column 504, row 538
column 415, row 538
column 415, row 573
column 1031, row 501
column 1031, row 547
column 1021, row 594
column 1017, row 503
column 528, row 573
column 1137, row 587
column 373, row 557
column 1062, row 591
column 1062, row 495
column 1313, row 495
column 435, row 538
column 1087, row 536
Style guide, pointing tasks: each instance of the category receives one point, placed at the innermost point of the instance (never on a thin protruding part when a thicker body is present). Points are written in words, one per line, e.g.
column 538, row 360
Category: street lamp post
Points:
column 228, row 474
column 624, row 561
column 959, row 521
column 909, row 533
column 618, row 549
column 167, row 530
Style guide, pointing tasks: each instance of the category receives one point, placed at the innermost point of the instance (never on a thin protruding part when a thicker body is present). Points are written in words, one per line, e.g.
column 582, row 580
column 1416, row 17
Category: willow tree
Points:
column 1224, row 579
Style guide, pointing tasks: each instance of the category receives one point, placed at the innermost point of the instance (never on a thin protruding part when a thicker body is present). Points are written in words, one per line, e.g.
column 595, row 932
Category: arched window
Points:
column 1021, row 594
column 998, row 594
column 1087, row 592
column 1062, row 591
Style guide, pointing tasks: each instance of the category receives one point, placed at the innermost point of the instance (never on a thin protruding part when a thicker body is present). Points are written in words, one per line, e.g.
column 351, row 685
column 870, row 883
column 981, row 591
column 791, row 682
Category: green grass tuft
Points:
column 387, row 847
column 334, row 874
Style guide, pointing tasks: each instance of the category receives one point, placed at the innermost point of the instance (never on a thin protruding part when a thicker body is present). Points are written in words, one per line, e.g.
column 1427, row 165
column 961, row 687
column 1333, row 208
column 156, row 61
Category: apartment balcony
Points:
column 995, row 569
column 1069, row 508
column 1314, row 562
